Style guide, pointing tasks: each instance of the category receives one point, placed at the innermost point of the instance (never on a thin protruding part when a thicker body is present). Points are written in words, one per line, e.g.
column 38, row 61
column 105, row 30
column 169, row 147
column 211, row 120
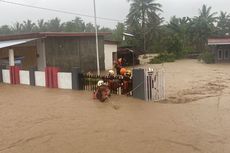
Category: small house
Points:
column 64, row 50
column 220, row 48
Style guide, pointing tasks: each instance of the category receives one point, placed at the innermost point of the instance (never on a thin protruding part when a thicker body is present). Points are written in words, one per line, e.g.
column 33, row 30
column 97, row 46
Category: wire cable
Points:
column 59, row 11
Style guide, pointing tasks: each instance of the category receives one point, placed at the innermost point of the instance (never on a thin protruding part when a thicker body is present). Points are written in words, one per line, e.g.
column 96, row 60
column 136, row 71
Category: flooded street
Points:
column 41, row 120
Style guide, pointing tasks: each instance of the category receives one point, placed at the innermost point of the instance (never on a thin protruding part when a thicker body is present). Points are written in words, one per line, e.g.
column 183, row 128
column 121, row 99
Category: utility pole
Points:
column 97, row 49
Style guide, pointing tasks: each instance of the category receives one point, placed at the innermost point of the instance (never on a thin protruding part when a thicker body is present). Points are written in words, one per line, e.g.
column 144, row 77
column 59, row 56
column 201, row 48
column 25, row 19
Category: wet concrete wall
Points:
column 68, row 52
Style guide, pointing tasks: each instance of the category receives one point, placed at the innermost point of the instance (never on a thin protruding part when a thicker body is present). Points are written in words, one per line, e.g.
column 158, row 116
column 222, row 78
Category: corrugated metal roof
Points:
column 9, row 43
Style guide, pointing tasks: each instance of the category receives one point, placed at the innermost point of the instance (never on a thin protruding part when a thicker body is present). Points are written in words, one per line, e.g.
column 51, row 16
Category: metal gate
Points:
column 154, row 84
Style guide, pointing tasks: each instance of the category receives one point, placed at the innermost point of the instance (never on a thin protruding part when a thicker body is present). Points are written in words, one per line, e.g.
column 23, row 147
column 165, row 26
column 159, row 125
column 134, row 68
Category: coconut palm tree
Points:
column 223, row 24
column 55, row 25
column 202, row 27
column 178, row 27
column 28, row 26
column 89, row 27
column 142, row 10
column 76, row 25
column 41, row 25
column 5, row 30
column 141, row 13
column 17, row 28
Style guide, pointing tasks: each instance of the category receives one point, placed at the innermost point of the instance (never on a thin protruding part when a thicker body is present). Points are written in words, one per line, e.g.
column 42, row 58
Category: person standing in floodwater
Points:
column 118, row 65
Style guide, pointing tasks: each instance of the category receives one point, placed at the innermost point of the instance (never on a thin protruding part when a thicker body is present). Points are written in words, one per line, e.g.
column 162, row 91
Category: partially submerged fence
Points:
column 117, row 84
column 148, row 85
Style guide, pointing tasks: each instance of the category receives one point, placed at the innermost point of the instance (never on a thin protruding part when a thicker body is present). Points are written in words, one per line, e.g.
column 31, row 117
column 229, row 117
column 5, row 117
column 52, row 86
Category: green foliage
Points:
column 76, row 25
column 5, row 29
column 28, row 26
column 207, row 57
column 178, row 37
column 89, row 27
column 162, row 58
column 202, row 27
column 223, row 25
column 143, row 21
column 118, row 33
column 53, row 25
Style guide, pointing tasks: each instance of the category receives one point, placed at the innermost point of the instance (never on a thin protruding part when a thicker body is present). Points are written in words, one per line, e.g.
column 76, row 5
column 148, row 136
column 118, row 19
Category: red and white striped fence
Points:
column 50, row 78
column 148, row 85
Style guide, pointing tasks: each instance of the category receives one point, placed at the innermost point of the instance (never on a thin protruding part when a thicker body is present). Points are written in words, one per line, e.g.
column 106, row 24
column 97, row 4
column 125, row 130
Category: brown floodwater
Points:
column 41, row 120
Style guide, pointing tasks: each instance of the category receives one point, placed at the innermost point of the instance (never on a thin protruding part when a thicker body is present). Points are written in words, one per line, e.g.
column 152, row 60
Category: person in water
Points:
column 102, row 91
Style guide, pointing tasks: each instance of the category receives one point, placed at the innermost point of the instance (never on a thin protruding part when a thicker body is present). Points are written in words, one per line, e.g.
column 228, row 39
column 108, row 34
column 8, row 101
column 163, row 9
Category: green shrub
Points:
column 162, row 58
column 207, row 57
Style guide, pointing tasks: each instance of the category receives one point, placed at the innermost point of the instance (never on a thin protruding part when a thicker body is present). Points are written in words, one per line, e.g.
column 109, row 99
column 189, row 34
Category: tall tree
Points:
column 172, row 37
column 140, row 14
column 202, row 27
column 223, row 25
column 105, row 29
column 89, row 27
column 54, row 25
column 41, row 25
column 28, row 26
column 76, row 25
column 178, row 27
column 5, row 30
column 118, row 32
column 17, row 28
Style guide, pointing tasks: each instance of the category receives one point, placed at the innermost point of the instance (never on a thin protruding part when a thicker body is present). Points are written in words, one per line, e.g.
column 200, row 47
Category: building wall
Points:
column 109, row 50
column 68, row 52
column 41, row 59
column 28, row 52
column 88, row 54
column 221, row 53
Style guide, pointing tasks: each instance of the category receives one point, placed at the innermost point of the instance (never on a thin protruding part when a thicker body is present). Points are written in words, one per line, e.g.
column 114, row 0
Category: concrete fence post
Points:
column 139, row 91
column 76, row 83
column 32, row 76
column 14, row 75
column 1, row 68
column 51, row 74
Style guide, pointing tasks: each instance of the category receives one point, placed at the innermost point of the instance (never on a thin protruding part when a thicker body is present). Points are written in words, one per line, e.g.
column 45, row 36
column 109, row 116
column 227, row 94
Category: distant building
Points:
column 220, row 47
column 64, row 50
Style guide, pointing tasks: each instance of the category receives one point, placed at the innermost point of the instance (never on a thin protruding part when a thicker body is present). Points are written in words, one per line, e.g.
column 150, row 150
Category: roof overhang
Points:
column 51, row 34
column 10, row 43
column 110, row 42
column 219, row 41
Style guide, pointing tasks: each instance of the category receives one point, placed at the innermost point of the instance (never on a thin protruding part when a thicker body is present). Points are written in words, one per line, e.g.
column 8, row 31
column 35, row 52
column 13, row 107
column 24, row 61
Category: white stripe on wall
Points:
column 24, row 77
column 40, row 79
column 6, row 76
column 64, row 80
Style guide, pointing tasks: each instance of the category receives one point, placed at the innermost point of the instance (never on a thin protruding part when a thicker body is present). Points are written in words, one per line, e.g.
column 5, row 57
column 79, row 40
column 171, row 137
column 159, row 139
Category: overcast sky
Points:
column 116, row 9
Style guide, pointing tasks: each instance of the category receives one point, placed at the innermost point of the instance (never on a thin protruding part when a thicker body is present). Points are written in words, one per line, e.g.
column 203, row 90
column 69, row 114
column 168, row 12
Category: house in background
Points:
column 220, row 48
column 64, row 50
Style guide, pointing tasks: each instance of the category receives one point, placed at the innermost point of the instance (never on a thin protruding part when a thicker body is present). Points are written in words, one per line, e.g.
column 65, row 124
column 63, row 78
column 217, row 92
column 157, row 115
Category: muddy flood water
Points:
column 195, row 118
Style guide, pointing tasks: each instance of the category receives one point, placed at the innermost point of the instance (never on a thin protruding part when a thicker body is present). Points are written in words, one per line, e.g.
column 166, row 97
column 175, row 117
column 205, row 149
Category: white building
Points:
column 110, row 49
